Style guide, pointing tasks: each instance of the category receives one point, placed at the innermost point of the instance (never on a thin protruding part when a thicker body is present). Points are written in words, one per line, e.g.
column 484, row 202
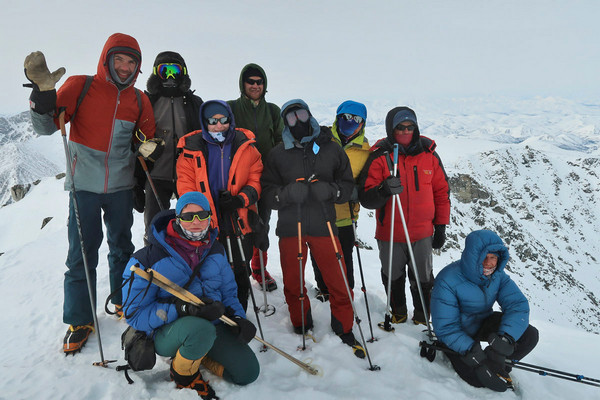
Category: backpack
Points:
column 139, row 352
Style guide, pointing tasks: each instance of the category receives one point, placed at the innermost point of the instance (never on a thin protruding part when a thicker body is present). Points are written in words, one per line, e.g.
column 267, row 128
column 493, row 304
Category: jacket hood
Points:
column 288, row 138
column 119, row 43
column 224, row 104
column 154, row 85
column 352, row 107
column 389, row 120
column 258, row 67
column 477, row 245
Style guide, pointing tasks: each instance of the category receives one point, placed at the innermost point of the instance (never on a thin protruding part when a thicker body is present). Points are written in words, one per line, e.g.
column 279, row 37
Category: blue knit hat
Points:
column 213, row 108
column 404, row 115
column 192, row 198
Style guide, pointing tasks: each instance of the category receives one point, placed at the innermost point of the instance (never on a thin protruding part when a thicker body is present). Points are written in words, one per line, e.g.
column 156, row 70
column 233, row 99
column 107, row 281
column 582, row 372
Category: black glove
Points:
column 488, row 376
column 391, row 186
column 261, row 240
column 439, row 236
column 323, row 191
column 43, row 96
column 210, row 310
column 502, row 344
column 152, row 149
column 474, row 357
column 245, row 330
column 139, row 198
column 229, row 203
column 354, row 195
column 296, row 192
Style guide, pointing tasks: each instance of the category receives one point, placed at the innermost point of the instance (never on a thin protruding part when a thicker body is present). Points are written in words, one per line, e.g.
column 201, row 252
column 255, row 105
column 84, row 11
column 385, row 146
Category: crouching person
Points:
column 183, row 248
column 461, row 310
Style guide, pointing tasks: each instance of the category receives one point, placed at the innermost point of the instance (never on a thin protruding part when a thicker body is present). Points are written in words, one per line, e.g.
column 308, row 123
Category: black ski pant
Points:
column 240, row 270
column 165, row 190
column 523, row 346
column 346, row 236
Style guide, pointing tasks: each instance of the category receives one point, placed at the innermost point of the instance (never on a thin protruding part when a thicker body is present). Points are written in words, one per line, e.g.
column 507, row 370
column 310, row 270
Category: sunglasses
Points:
column 189, row 216
column 401, row 128
column 169, row 70
column 293, row 116
column 222, row 120
column 350, row 117
column 254, row 81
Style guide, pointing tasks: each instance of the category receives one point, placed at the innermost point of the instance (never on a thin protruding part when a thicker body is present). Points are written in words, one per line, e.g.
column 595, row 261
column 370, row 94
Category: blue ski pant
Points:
column 116, row 209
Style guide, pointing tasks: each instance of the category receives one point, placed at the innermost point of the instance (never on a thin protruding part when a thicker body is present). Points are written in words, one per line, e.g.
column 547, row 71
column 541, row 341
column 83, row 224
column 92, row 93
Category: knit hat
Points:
column 213, row 108
column 192, row 198
column 404, row 115
column 251, row 71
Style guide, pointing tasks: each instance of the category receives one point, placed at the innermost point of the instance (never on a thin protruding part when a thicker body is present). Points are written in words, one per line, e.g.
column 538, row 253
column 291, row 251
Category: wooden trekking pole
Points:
column 179, row 292
column 145, row 168
column 63, row 131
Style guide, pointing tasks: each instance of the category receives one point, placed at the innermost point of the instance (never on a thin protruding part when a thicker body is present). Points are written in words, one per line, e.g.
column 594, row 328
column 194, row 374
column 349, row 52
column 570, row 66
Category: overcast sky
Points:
column 325, row 51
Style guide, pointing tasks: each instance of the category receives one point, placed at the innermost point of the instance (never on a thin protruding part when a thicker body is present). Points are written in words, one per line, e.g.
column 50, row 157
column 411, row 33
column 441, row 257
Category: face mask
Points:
column 300, row 130
column 347, row 128
column 218, row 136
column 193, row 236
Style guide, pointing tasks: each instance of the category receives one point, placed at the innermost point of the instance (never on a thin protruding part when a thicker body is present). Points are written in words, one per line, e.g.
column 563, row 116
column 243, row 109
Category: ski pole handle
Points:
column 395, row 154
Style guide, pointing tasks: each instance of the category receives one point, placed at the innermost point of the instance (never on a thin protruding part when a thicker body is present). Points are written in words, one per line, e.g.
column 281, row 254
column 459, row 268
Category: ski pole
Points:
column 179, row 292
column 343, row 271
column 63, row 131
column 386, row 325
column 145, row 168
column 267, row 309
column 362, row 278
column 238, row 235
column 301, row 273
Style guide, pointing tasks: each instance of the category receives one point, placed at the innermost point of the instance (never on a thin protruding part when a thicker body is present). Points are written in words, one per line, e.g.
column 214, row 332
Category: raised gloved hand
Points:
column 245, row 330
column 228, row 203
column 391, row 186
column 139, row 198
column 43, row 96
column 38, row 73
column 210, row 310
column 295, row 192
column 439, row 236
column 323, row 191
column 152, row 149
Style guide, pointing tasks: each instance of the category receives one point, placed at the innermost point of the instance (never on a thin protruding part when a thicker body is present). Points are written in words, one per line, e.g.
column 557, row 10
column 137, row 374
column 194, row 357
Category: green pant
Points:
column 196, row 337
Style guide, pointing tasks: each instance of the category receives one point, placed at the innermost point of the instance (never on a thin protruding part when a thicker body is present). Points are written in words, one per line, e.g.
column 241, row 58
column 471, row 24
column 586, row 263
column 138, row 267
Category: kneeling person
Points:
column 183, row 248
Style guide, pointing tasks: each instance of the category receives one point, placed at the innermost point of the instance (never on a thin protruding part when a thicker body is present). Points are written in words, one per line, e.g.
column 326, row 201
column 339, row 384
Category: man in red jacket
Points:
column 104, row 126
column 422, row 186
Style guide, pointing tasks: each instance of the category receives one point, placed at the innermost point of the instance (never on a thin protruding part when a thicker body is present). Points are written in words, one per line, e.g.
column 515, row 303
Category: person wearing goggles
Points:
column 253, row 112
column 304, row 176
column 221, row 161
column 183, row 247
column 176, row 110
column 349, row 132
column 421, row 187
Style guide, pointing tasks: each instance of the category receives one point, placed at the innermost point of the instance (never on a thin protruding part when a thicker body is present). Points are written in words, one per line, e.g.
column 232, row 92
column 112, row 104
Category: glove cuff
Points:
column 42, row 102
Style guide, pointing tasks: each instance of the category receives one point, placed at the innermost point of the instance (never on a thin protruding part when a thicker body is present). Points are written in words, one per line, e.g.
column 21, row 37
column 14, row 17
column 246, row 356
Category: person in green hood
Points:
column 253, row 112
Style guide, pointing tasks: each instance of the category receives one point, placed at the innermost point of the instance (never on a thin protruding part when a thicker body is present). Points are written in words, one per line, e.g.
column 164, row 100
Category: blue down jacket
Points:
column 463, row 297
column 155, row 308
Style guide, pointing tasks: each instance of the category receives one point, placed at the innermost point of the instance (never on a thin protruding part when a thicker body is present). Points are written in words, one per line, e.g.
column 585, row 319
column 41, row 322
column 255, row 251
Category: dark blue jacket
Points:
column 463, row 297
column 155, row 308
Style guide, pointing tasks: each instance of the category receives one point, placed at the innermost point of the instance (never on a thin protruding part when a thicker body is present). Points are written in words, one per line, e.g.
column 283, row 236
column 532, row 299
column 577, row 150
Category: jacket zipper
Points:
column 416, row 172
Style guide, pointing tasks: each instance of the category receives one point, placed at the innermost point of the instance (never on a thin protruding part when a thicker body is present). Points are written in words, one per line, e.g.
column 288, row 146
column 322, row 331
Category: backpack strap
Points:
column 86, row 87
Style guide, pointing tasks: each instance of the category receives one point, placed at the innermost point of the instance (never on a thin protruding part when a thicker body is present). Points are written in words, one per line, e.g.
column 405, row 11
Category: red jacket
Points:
column 244, row 173
column 425, row 198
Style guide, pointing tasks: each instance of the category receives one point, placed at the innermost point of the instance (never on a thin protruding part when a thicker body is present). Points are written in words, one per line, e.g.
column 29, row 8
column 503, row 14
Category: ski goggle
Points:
column 202, row 215
column 169, row 70
column 350, row 117
column 293, row 116
column 222, row 120
column 401, row 128
column 254, row 81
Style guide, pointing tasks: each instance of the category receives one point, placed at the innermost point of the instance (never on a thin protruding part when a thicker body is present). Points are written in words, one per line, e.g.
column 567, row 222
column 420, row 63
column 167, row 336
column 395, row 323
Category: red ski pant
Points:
column 322, row 249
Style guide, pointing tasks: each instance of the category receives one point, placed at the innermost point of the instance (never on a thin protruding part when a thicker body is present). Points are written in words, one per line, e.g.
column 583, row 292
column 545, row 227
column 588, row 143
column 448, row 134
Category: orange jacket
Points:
column 244, row 173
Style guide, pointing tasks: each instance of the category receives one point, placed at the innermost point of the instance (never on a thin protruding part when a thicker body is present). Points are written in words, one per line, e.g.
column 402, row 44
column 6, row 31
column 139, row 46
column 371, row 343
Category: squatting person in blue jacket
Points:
column 461, row 310
column 183, row 248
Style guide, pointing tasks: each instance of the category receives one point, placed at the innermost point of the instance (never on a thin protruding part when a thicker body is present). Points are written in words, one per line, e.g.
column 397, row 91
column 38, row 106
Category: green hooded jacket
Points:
column 262, row 119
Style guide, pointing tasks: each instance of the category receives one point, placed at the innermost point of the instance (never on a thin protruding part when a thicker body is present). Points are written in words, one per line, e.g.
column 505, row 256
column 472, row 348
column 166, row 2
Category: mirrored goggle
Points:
column 189, row 216
column 350, row 117
column 222, row 120
column 293, row 116
column 169, row 70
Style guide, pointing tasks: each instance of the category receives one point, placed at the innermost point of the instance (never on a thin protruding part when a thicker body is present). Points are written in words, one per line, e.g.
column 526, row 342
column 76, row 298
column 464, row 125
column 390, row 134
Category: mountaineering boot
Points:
column 270, row 283
column 194, row 382
column 76, row 338
column 349, row 339
column 322, row 296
